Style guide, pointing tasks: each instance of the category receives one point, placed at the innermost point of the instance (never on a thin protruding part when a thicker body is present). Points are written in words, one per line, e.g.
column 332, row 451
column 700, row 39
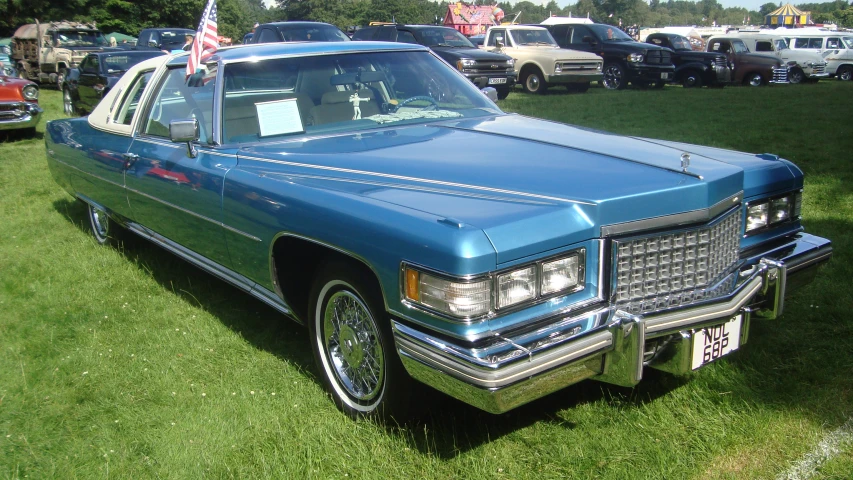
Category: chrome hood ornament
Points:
column 685, row 161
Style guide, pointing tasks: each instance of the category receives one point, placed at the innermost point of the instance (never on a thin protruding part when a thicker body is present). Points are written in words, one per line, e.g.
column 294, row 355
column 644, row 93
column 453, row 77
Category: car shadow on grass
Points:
column 784, row 366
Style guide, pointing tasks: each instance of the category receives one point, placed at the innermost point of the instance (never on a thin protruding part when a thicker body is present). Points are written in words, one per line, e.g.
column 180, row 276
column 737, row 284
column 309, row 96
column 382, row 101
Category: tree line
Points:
column 236, row 17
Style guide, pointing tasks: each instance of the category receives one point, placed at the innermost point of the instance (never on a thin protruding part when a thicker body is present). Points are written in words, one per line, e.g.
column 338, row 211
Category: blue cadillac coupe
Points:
column 423, row 236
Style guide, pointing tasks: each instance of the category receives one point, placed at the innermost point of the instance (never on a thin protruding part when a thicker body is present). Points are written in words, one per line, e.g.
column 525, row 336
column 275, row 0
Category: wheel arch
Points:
column 291, row 252
column 528, row 67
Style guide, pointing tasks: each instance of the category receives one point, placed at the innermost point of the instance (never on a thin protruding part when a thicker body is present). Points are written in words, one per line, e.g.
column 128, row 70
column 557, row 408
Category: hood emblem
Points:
column 685, row 161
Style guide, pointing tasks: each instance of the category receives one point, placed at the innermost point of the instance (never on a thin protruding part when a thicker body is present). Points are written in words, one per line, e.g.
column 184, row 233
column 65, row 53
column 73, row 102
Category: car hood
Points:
column 472, row 53
column 10, row 88
column 530, row 185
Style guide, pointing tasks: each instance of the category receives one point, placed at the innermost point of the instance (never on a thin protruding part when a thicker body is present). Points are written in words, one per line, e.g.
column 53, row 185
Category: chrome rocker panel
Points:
column 518, row 368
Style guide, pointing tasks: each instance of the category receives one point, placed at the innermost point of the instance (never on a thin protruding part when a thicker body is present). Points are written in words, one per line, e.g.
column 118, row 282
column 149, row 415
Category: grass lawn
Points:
column 128, row 363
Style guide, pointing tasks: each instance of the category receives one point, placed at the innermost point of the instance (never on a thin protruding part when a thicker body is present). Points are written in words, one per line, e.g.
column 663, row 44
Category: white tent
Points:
column 563, row 20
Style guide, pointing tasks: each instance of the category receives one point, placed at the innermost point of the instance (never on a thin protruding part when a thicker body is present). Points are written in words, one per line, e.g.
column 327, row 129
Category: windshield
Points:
column 444, row 37
column 780, row 44
column 681, row 43
column 532, row 36
column 70, row 38
column 608, row 33
column 848, row 41
column 271, row 99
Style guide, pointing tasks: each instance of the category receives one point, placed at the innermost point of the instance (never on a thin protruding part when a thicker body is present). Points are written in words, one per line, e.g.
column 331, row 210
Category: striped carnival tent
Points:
column 787, row 16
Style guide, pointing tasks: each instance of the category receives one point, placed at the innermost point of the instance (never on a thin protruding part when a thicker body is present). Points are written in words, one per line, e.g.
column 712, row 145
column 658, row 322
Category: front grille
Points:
column 780, row 74
column 675, row 268
column 485, row 67
column 819, row 69
column 659, row 57
column 720, row 62
column 8, row 107
column 580, row 66
column 12, row 110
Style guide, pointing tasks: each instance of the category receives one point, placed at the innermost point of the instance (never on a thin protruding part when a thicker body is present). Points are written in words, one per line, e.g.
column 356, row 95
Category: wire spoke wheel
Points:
column 353, row 346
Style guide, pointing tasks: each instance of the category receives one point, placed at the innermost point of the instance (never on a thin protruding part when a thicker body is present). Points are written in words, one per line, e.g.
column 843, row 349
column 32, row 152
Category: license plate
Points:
column 495, row 81
column 664, row 76
column 711, row 343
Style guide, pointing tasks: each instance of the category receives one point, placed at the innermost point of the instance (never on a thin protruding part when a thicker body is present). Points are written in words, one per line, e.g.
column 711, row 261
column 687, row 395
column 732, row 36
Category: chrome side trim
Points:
column 678, row 219
column 219, row 271
column 197, row 215
column 414, row 179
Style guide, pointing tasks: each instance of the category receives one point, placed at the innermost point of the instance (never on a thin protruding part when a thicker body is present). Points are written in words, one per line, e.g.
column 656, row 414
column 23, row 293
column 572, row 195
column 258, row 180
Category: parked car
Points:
column 540, row 62
column 44, row 52
column 19, row 104
column 625, row 59
column 298, row 32
column 692, row 68
column 485, row 69
column 421, row 234
column 163, row 39
column 749, row 68
column 835, row 48
column 84, row 87
column 805, row 65
column 8, row 66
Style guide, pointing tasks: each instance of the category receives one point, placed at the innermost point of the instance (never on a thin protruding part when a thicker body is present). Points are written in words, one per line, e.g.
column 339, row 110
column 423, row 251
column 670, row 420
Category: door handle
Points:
column 130, row 159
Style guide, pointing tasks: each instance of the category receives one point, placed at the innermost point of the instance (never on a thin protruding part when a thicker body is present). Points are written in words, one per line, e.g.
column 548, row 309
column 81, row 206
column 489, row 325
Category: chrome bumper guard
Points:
column 23, row 115
column 516, row 369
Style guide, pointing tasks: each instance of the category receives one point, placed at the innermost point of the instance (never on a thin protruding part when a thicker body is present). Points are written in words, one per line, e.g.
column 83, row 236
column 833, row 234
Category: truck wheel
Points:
column 614, row 77
column 503, row 92
column 534, row 82
column 845, row 73
column 691, row 79
column 797, row 76
column 68, row 103
column 60, row 78
column 753, row 80
column 353, row 346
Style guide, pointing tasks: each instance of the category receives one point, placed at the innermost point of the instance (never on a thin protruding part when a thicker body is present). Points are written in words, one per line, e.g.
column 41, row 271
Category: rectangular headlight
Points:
column 780, row 210
column 516, row 286
column 559, row 274
column 756, row 216
column 459, row 299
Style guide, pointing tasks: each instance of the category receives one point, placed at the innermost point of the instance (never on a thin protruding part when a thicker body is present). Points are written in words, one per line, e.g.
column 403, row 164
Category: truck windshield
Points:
column 848, row 41
column 71, row 38
column 609, row 33
column 681, row 43
column 444, row 37
column 532, row 36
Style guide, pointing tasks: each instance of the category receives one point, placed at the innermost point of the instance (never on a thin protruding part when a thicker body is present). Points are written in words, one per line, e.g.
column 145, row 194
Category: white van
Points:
column 836, row 49
column 804, row 64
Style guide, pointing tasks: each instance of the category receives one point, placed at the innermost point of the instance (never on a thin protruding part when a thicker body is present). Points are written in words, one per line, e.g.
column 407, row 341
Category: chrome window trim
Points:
column 676, row 220
column 492, row 278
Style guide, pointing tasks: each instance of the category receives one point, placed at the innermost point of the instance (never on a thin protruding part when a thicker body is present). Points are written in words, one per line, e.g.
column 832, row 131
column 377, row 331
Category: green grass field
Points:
column 128, row 363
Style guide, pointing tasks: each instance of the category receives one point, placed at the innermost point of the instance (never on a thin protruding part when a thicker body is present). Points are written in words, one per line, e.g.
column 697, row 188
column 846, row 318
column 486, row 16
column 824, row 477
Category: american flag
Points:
column 206, row 38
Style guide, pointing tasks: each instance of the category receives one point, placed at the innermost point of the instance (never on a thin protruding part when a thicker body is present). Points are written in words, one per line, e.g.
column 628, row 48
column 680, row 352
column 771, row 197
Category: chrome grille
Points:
column 670, row 269
column 580, row 66
column 780, row 74
column 819, row 69
column 720, row 61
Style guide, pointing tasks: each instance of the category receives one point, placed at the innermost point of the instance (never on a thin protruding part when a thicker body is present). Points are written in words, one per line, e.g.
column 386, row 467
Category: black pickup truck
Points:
column 625, row 59
column 692, row 68
column 485, row 69
column 164, row 39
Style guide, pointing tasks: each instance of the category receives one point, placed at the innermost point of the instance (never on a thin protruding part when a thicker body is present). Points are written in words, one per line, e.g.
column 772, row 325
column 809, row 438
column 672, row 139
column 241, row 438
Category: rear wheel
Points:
column 534, row 82
column 691, row 79
column 105, row 230
column 60, row 78
column 68, row 103
column 614, row 77
column 353, row 346
column 753, row 79
column 845, row 73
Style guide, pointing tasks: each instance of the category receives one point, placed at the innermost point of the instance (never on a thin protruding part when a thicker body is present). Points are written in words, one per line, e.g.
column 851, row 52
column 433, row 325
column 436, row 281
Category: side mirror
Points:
column 185, row 131
column 152, row 43
column 491, row 93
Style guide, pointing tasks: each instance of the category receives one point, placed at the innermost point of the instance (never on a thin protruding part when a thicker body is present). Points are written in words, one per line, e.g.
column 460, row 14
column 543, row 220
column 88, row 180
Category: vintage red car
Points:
column 19, row 108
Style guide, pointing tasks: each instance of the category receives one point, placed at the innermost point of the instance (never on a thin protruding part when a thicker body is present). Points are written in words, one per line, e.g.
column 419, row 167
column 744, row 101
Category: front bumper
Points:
column 575, row 77
column 517, row 368
column 18, row 115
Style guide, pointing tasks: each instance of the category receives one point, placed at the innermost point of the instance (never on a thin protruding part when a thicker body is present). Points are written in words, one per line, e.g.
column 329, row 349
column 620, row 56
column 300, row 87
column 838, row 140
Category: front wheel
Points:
column 797, row 76
column 534, row 82
column 614, row 77
column 691, row 79
column 353, row 346
column 753, row 80
column 60, row 78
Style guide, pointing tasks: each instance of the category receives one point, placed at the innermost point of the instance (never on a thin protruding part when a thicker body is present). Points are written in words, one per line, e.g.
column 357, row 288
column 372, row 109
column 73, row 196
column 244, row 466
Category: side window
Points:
column 815, row 42
column 176, row 100
column 655, row 41
column 496, row 36
column 363, row 33
column 560, row 33
column 404, row 36
column 130, row 103
column 801, row 43
column 763, row 47
column 833, row 43
column 578, row 33
column 268, row 35
column 384, row 34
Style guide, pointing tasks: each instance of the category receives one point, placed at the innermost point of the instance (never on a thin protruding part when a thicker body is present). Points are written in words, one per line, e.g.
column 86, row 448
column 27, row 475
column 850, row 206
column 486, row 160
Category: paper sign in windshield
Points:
column 279, row 118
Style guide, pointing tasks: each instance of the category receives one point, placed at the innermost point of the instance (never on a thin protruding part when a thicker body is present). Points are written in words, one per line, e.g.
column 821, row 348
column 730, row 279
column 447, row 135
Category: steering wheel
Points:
column 416, row 98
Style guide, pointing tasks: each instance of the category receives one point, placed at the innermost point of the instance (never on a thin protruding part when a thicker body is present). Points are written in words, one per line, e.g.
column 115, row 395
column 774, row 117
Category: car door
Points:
column 87, row 83
column 175, row 193
column 581, row 38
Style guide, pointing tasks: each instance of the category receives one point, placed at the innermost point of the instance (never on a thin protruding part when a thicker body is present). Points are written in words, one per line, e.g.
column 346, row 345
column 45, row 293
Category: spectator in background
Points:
column 113, row 42
column 188, row 43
